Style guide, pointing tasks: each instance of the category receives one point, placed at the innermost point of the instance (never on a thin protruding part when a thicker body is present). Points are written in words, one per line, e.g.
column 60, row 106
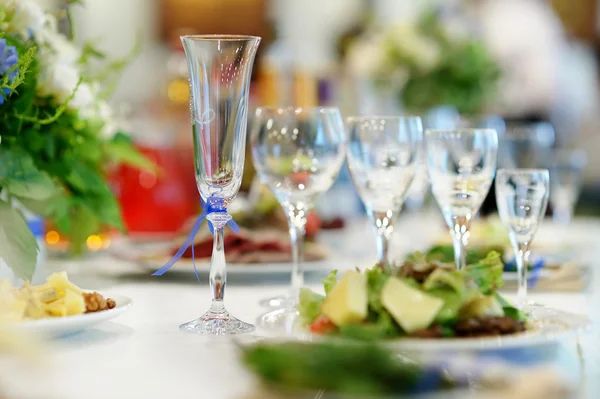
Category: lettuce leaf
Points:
column 510, row 310
column 330, row 281
column 452, row 303
column 454, row 280
column 487, row 273
column 376, row 278
column 309, row 305
column 381, row 327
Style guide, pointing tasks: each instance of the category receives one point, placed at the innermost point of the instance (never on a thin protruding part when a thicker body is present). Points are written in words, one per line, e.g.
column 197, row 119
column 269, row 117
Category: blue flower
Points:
column 8, row 59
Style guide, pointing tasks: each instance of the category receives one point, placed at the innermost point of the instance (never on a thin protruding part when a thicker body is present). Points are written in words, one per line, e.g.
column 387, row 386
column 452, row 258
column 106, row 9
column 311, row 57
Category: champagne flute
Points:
column 383, row 156
column 220, row 69
column 461, row 164
column 522, row 197
column 297, row 154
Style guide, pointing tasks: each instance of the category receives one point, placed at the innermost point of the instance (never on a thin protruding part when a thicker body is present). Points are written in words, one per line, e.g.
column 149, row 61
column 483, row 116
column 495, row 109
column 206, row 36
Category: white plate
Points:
column 60, row 326
column 548, row 325
column 184, row 267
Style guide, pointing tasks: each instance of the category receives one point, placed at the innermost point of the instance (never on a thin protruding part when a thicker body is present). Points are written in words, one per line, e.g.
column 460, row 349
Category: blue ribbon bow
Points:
column 213, row 205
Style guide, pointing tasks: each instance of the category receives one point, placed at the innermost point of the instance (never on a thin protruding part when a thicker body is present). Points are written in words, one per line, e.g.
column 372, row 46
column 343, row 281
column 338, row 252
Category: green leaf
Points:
column 376, row 279
column 18, row 247
column 85, row 179
column 309, row 305
column 487, row 273
column 330, row 281
column 443, row 278
column 452, row 304
column 21, row 178
column 125, row 153
column 107, row 209
column 84, row 223
column 382, row 327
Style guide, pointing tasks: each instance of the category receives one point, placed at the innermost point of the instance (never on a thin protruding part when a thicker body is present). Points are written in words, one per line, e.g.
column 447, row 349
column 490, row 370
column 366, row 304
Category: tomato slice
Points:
column 322, row 325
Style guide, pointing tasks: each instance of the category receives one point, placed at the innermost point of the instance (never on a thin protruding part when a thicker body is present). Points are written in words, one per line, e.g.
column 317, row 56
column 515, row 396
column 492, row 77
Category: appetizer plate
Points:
column 547, row 326
column 61, row 326
column 138, row 254
column 184, row 267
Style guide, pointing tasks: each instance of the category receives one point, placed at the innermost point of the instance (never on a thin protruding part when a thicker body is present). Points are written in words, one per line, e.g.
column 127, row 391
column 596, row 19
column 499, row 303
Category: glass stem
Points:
column 218, row 272
column 384, row 227
column 460, row 239
column 522, row 259
column 297, row 230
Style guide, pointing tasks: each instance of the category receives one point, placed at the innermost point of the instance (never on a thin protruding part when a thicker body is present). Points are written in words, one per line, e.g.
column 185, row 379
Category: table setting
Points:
column 440, row 301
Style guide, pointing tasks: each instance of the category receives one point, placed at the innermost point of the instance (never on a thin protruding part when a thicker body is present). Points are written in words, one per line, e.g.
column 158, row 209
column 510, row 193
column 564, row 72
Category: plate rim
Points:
column 528, row 339
column 87, row 318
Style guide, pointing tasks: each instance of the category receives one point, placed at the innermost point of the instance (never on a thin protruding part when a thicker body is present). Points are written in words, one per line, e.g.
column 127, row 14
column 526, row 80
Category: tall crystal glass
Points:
column 522, row 197
column 384, row 154
column 461, row 165
column 220, row 67
column 297, row 153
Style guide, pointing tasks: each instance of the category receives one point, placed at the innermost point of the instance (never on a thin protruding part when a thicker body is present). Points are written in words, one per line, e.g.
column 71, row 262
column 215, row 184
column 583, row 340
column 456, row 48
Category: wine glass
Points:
column 297, row 154
column 566, row 179
column 383, row 156
column 220, row 68
column 522, row 197
column 461, row 164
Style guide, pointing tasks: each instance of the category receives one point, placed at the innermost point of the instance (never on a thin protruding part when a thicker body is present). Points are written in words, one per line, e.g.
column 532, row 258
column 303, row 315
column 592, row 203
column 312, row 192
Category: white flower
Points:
column 28, row 17
column 83, row 99
column 366, row 57
column 111, row 125
column 423, row 52
column 58, row 80
column 58, row 44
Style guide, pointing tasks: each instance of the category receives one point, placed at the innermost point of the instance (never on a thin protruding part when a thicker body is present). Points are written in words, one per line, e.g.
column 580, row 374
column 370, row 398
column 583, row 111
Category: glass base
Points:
column 278, row 302
column 217, row 322
column 280, row 321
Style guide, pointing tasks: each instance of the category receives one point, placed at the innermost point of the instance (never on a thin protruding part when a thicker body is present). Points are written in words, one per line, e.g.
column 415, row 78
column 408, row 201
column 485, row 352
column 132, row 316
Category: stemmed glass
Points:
column 522, row 197
column 461, row 164
column 220, row 69
column 383, row 156
column 297, row 153
column 566, row 179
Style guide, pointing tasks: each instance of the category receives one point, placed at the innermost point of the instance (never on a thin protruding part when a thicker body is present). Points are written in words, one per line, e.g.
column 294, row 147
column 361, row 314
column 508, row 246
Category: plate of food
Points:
column 539, row 267
column 261, row 246
column 423, row 306
column 56, row 308
column 249, row 252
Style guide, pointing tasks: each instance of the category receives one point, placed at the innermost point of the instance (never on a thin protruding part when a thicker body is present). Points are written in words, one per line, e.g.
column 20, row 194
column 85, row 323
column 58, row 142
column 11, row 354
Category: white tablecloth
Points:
column 142, row 354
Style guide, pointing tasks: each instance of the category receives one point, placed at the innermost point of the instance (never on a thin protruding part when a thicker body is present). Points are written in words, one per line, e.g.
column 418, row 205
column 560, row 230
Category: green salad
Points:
column 421, row 298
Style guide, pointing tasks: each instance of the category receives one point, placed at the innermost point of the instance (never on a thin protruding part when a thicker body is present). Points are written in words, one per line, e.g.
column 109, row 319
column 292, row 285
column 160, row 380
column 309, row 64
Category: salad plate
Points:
column 548, row 325
column 422, row 306
column 62, row 326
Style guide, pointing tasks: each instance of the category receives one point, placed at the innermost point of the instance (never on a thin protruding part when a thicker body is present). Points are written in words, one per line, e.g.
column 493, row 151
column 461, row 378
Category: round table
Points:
column 142, row 354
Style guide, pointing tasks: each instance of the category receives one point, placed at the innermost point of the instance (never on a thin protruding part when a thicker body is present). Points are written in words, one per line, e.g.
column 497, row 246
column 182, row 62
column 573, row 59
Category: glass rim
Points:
column 297, row 110
column 361, row 118
column 468, row 130
column 223, row 37
column 522, row 171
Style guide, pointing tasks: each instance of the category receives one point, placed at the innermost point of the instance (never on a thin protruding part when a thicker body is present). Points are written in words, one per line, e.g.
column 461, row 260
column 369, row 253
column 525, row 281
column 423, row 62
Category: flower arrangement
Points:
column 57, row 135
column 432, row 61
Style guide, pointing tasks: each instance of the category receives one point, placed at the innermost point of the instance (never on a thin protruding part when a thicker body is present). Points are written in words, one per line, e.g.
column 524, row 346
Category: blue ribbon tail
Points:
column 233, row 226
column 188, row 241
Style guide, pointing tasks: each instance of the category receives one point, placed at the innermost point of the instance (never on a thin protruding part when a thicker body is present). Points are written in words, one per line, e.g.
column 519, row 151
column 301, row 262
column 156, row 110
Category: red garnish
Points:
column 322, row 325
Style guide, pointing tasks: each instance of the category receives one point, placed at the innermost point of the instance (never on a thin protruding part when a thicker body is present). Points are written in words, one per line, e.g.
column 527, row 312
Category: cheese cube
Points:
column 412, row 309
column 347, row 301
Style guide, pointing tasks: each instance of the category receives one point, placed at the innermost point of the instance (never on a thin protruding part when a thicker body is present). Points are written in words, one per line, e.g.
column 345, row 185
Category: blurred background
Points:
column 533, row 77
